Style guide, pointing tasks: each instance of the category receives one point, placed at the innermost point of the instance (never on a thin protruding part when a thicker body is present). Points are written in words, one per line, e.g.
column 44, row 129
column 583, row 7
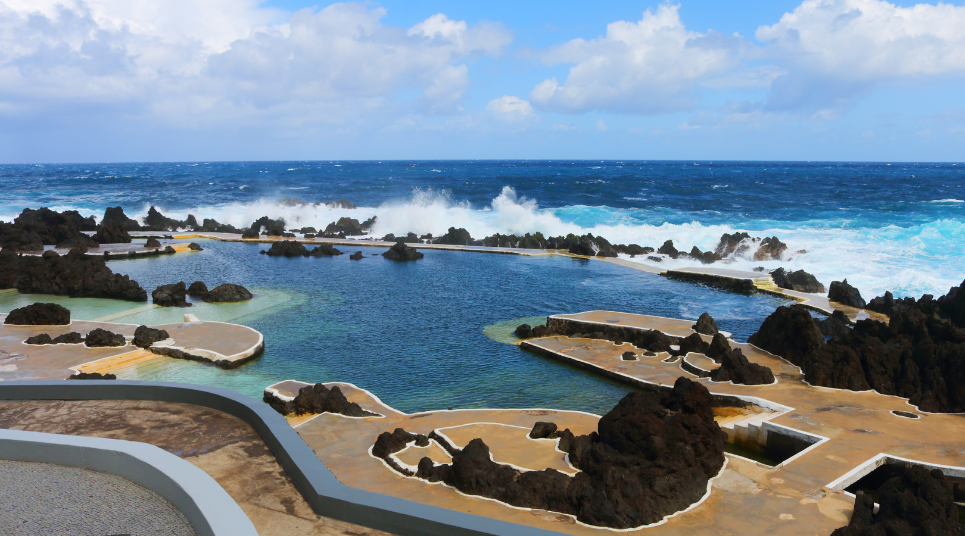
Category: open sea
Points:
column 428, row 335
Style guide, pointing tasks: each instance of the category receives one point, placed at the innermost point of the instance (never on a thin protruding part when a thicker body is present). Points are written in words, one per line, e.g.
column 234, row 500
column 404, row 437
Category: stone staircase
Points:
column 766, row 283
column 117, row 363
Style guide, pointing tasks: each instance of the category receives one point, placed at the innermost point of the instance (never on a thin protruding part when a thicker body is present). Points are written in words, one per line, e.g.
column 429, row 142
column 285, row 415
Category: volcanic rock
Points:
column 357, row 256
column 100, row 338
column 14, row 238
column 43, row 338
column 707, row 257
column 737, row 369
column 402, row 252
column 652, row 456
column 39, row 314
column 542, row 430
column 171, row 295
column 706, row 325
column 718, row 348
column 789, row 332
column 152, row 243
column 212, row 226
column 81, row 223
column 458, row 237
column 80, row 241
column 227, row 292
column 287, row 248
column 92, row 376
column 918, row 502
column 799, row 280
column 155, row 221
column 629, row 356
column 668, row 250
column 68, row 338
column 271, row 227
column 692, row 343
column 194, row 246
column 198, row 288
column 770, row 249
column 318, row 399
column 836, row 325
column 845, row 294
column 112, row 233
column 51, row 226
column 523, row 331
column 344, row 227
column 144, row 336
column 324, row 250
column 74, row 274
column 730, row 244
column 116, row 215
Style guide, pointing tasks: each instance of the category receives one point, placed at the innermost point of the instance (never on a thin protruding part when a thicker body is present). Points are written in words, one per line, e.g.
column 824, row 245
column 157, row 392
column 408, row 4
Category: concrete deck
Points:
column 747, row 497
column 19, row 361
column 137, row 248
column 221, row 445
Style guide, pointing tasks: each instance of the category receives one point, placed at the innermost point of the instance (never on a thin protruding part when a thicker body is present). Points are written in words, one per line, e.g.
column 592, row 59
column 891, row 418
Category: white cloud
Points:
column 649, row 66
column 601, row 126
column 836, row 50
column 511, row 108
column 204, row 62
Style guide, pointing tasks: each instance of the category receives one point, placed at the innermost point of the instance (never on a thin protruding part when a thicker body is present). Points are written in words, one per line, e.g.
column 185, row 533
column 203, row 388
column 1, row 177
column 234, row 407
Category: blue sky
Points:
column 149, row 80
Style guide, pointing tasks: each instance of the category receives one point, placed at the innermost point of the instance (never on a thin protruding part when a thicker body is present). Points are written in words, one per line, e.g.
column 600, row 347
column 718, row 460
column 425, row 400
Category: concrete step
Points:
column 117, row 362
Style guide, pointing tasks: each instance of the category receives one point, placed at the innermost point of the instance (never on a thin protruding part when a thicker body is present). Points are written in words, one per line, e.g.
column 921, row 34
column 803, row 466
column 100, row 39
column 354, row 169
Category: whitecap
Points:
column 947, row 201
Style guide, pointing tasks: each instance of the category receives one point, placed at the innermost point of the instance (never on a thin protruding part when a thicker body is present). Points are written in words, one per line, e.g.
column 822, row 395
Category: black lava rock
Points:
column 731, row 244
column 401, row 252
column 69, row 338
column 92, row 376
column 706, row 325
column 845, row 294
column 629, row 356
column 836, row 325
column 524, row 331
column 101, row 338
column 115, row 215
column 144, row 336
column 171, row 295
column 357, row 256
column 324, row 250
column 194, row 246
column 458, row 237
column 39, row 314
column 198, row 288
column 736, row 368
column 799, row 280
column 227, row 292
column 43, row 338
column 287, row 248
column 152, row 243
column 542, row 430
column 770, row 249
column 74, row 274
column 669, row 250
column 318, row 399
column 112, row 233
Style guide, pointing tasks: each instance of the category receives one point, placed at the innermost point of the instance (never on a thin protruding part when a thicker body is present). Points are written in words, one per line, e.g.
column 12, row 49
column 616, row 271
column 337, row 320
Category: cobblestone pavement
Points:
column 41, row 498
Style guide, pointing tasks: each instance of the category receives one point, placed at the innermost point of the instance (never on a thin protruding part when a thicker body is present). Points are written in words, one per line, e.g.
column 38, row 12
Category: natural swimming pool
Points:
column 414, row 334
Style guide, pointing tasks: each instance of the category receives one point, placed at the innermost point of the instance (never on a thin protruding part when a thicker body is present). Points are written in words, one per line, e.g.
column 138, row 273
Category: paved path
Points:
column 41, row 498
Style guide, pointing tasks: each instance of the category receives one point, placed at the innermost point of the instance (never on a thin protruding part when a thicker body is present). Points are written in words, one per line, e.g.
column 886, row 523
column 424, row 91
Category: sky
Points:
column 190, row 80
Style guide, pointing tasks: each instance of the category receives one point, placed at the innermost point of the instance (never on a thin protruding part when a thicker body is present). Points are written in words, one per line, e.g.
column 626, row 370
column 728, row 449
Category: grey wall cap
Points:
column 327, row 496
column 205, row 504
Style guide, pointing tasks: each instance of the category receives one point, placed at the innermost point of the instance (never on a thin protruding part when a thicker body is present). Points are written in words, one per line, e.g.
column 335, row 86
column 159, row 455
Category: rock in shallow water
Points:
column 39, row 314
column 401, row 252
column 227, row 292
column 75, row 274
column 144, row 336
column 198, row 288
column 171, row 295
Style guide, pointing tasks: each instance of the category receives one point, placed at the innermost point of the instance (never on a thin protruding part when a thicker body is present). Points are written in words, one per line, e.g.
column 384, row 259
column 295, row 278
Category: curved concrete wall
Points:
column 206, row 505
column 327, row 496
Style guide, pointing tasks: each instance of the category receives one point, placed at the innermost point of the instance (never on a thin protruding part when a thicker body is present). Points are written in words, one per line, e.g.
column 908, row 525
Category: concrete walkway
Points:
column 40, row 498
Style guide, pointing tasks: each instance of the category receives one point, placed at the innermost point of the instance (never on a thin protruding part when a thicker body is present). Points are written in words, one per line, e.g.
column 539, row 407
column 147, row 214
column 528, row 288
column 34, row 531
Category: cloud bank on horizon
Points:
column 315, row 81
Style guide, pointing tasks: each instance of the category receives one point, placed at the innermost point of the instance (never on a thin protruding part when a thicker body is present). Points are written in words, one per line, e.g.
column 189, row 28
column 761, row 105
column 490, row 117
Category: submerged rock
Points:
column 845, row 294
column 401, row 252
column 706, row 325
column 227, row 292
column 101, row 338
column 171, row 295
column 39, row 314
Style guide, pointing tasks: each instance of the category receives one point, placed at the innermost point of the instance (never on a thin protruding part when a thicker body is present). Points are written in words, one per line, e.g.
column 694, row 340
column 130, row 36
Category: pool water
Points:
column 420, row 335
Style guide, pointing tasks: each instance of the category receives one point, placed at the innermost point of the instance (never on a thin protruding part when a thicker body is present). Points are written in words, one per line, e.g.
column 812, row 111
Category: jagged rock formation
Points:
column 737, row 369
column 144, row 336
column 152, row 243
column 706, row 257
column 731, row 244
column 652, row 456
column 92, row 376
column 227, row 292
column 74, row 274
column 80, row 241
column 457, row 237
column 523, row 331
column 836, row 325
column 347, row 227
column 918, row 502
column 317, row 399
column 112, row 233
column 101, row 338
column 798, row 280
column 706, row 325
column 39, row 314
column 402, row 252
column 172, row 295
column 324, row 250
column 67, row 338
column 212, row 226
column 291, row 248
column 771, row 249
column 918, row 356
column 845, row 294
column 669, row 250
column 271, row 227
column 155, row 221
column 115, row 215
column 692, row 343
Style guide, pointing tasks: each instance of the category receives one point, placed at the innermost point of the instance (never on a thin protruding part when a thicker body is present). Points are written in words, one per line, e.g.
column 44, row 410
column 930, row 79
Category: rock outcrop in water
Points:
column 33, row 229
column 155, row 221
column 198, row 288
column 270, row 226
column 918, row 502
column 732, row 244
column 357, row 256
column 652, row 455
column 401, row 252
column 152, row 243
column 771, row 249
column 919, row 355
column 39, row 314
column 291, row 248
column 173, row 295
column 845, row 294
column 74, row 274
column 112, row 233
column 669, row 250
column 227, row 292
column 798, row 280
column 115, row 215
column 317, row 399
column 456, row 237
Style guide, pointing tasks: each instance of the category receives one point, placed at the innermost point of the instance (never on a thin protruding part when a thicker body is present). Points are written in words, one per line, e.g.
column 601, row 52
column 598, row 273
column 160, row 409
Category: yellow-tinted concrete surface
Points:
column 19, row 361
column 748, row 497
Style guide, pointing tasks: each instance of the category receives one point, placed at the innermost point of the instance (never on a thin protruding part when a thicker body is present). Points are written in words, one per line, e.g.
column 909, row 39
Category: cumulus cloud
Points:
column 184, row 61
column 511, row 109
column 836, row 50
column 649, row 66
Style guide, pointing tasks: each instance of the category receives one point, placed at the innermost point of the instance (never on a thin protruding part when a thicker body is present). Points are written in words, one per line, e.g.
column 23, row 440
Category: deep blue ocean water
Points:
column 415, row 334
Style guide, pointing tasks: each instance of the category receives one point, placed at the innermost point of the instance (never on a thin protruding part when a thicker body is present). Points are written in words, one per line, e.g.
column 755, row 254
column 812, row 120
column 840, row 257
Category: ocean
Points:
column 896, row 226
